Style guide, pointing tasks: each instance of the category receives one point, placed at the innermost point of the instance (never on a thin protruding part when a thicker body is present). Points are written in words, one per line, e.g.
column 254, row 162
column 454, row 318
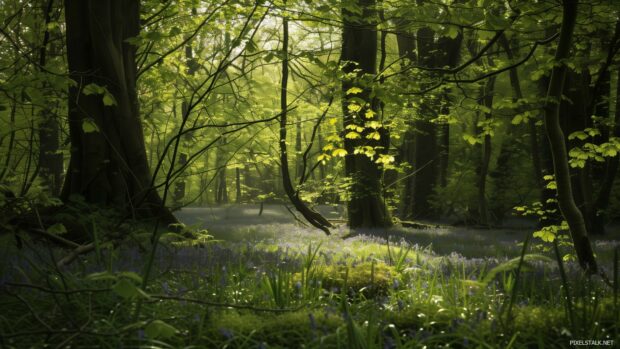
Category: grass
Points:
column 281, row 286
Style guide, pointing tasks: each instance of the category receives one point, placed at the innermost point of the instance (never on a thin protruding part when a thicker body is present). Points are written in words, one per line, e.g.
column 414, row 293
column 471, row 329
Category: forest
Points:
column 309, row 173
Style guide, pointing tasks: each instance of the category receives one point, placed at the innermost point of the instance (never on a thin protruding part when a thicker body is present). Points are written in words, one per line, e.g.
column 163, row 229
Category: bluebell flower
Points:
column 226, row 333
column 165, row 287
column 312, row 322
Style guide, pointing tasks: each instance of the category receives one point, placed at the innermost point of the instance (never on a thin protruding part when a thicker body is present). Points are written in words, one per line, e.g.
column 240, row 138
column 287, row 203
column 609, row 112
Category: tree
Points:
column 366, row 207
column 50, row 158
column 311, row 216
column 555, row 135
column 108, row 164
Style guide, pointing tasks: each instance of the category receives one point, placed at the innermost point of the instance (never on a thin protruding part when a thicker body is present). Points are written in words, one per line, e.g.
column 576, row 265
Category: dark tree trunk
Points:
column 566, row 202
column 9, row 152
column 426, row 143
column 366, row 207
column 487, row 101
column 601, row 204
column 426, row 150
column 506, row 159
column 319, row 143
column 108, row 166
column 298, row 153
column 448, row 54
column 604, row 173
column 221, row 189
column 238, row 184
column 574, row 117
column 407, row 48
column 548, row 196
column 179, row 186
column 50, row 158
column 191, row 67
column 309, row 214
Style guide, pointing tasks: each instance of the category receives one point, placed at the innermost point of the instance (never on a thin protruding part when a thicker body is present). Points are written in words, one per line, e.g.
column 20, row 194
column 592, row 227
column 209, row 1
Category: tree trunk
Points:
column 555, row 135
column 108, row 165
column 221, row 189
column 426, row 143
column 179, row 186
column 191, row 67
column 448, row 54
column 366, row 207
column 506, row 159
column 574, row 116
column 9, row 151
column 601, row 204
column 313, row 217
column 487, row 101
column 50, row 158
column 238, row 184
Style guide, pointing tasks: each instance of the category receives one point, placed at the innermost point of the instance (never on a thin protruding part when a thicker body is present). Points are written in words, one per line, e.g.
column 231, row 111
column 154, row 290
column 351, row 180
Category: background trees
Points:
column 440, row 117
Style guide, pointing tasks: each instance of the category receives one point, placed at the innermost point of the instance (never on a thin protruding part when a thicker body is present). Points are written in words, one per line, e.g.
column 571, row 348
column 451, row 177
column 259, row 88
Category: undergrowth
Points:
column 333, row 293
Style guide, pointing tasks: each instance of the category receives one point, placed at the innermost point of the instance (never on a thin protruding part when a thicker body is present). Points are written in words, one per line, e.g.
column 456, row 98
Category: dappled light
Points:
column 363, row 174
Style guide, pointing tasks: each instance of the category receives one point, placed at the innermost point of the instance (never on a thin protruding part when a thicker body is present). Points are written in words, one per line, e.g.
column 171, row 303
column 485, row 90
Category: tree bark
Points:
column 238, row 184
column 313, row 217
column 448, row 55
column 426, row 143
column 366, row 207
column 487, row 101
column 601, row 204
column 221, row 188
column 509, row 147
column 50, row 158
column 555, row 135
column 108, row 166
column 191, row 67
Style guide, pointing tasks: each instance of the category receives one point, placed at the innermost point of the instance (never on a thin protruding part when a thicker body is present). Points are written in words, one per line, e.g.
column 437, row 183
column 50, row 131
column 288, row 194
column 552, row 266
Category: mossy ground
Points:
column 288, row 292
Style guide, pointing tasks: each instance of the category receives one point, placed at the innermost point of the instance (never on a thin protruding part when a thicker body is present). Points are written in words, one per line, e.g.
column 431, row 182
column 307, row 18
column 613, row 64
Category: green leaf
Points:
column 354, row 90
column 104, row 275
column 128, row 289
column 513, row 264
column 93, row 89
column 159, row 329
column 131, row 275
column 470, row 139
column 339, row 152
column 89, row 126
column 352, row 135
column 354, row 107
column 108, row 99
column 57, row 229
column 374, row 135
column 174, row 31
column 452, row 31
column 369, row 114
column 125, row 288
column 579, row 135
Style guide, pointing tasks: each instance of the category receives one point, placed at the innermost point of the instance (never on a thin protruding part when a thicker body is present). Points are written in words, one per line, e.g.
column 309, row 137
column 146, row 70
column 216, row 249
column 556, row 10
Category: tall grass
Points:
column 328, row 294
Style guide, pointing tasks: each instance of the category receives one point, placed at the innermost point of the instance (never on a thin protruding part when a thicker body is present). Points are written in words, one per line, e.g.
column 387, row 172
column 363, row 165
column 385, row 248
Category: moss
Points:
column 368, row 278
column 289, row 330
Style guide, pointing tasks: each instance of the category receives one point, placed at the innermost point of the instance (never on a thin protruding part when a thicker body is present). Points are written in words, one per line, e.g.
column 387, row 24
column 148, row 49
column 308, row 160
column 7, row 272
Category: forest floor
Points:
column 267, row 281
column 277, row 223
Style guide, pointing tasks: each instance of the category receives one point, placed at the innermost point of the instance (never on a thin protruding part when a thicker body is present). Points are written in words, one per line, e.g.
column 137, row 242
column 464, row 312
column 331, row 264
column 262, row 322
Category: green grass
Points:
column 281, row 291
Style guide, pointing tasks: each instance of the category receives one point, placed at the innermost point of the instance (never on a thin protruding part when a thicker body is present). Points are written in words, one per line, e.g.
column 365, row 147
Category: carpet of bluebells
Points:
column 285, row 286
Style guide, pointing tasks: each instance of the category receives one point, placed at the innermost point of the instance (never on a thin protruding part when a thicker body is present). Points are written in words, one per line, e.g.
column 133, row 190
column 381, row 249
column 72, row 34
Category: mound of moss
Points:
column 286, row 330
column 368, row 278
